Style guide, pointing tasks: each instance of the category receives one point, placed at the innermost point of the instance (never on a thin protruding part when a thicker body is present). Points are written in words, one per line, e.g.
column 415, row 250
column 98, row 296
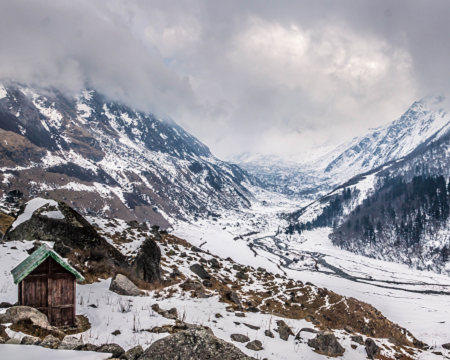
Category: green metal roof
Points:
column 24, row 269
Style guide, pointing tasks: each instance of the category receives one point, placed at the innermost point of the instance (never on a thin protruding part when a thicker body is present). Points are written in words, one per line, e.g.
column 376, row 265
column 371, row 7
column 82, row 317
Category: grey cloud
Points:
column 256, row 75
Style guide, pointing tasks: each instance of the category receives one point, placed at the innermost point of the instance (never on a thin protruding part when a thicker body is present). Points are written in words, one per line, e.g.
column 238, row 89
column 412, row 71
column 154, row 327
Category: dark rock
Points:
column 255, row 345
column 240, row 338
column 133, row 353
column 284, row 332
column 30, row 340
column 326, row 344
column 393, row 341
column 92, row 306
column 232, row 296
column 193, row 344
column 218, row 316
column 372, row 348
column 89, row 347
column 298, row 336
column 214, row 263
column 207, row 283
column 260, row 269
column 73, row 231
column 241, row 275
column 5, row 305
column 62, row 249
column 176, row 272
column 200, row 271
column 121, row 285
column 239, row 314
column 50, row 342
column 70, row 343
column 116, row 350
column 269, row 333
column 199, row 290
column 253, row 309
column 358, row 339
column 116, row 332
column 446, row 346
column 349, row 329
column 253, row 327
column 147, row 263
column 196, row 249
column 168, row 314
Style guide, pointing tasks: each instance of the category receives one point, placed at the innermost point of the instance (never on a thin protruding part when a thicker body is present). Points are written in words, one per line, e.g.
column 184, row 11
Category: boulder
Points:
column 207, row 283
column 199, row 290
column 233, row 297
column 196, row 249
column 70, row 343
column 326, row 343
column 116, row 350
column 214, row 263
column 349, row 329
column 50, row 342
column 25, row 313
column 5, row 305
column 269, row 333
column 309, row 330
column 121, row 285
column 284, row 331
column 240, row 338
column 89, row 347
column 446, row 346
column 133, row 353
column 13, row 342
column 358, row 339
column 31, row 340
column 255, row 345
column 193, row 344
column 200, row 271
column 372, row 348
column 147, row 263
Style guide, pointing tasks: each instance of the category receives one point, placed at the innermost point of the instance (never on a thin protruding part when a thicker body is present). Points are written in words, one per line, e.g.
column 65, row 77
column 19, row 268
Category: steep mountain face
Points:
column 106, row 158
column 397, row 212
column 318, row 172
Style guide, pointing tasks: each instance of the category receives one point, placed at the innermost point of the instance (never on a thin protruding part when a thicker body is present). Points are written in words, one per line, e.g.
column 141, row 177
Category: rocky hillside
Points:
column 106, row 158
column 318, row 171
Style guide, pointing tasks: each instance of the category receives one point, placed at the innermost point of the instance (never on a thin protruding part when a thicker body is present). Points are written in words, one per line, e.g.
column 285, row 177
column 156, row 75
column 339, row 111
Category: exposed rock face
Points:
column 193, row 344
column 114, row 349
column 133, row 353
column 70, row 343
column 372, row 348
column 199, row 270
column 50, row 342
column 255, row 345
column 240, row 338
column 72, row 231
column 31, row 340
column 121, row 285
column 327, row 344
column 147, row 263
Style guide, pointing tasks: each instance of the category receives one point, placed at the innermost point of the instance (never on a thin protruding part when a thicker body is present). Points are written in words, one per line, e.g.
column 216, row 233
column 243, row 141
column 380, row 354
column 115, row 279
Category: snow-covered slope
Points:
column 318, row 171
column 106, row 158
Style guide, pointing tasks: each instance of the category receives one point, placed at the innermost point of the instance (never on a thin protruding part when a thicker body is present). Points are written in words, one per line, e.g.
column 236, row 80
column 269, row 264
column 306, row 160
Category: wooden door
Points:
column 62, row 285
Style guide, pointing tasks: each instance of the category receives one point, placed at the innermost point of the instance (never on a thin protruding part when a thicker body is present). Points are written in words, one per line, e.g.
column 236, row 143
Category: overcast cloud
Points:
column 273, row 77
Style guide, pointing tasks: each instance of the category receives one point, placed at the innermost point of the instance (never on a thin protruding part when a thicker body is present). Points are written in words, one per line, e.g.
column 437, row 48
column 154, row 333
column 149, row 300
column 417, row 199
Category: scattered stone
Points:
column 269, row 333
column 114, row 349
column 253, row 327
column 121, row 285
column 253, row 309
column 89, row 347
column 240, row 338
column 446, row 346
column 260, row 269
column 176, row 272
column 313, row 331
column 168, row 314
column 372, row 348
column 196, row 249
column 237, row 323
column 12, row 342
column 239, row 314
column 232, row 296
column 241, row 275
column 133, row 353
column 255, row 345
column 200, row 271
column 284, row 332
column 115, row 333
column 218, row 316
column 30, row 340
column 147, row 263
column 92, row 306
column 358, row 339
column 349, row 329
column 50, row 342
column 193, row 344
column 237, row 267
column 207, row 283
column 70, row 343
column 214, row 263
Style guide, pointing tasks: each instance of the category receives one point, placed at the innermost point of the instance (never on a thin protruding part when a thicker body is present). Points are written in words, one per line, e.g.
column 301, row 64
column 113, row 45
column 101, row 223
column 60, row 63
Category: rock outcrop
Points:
column 372, row 348
column 147, row 263
column 70, row 343
column 193, row 344
column 121, row 285
column 200, row 271
column 116, row 350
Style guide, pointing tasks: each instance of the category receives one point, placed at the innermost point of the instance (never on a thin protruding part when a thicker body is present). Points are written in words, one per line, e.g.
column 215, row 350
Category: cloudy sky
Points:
column 270, row 77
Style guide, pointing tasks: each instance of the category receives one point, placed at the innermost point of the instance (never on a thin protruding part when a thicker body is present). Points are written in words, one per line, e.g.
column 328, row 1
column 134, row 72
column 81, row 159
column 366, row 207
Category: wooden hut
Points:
column 48, row 284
